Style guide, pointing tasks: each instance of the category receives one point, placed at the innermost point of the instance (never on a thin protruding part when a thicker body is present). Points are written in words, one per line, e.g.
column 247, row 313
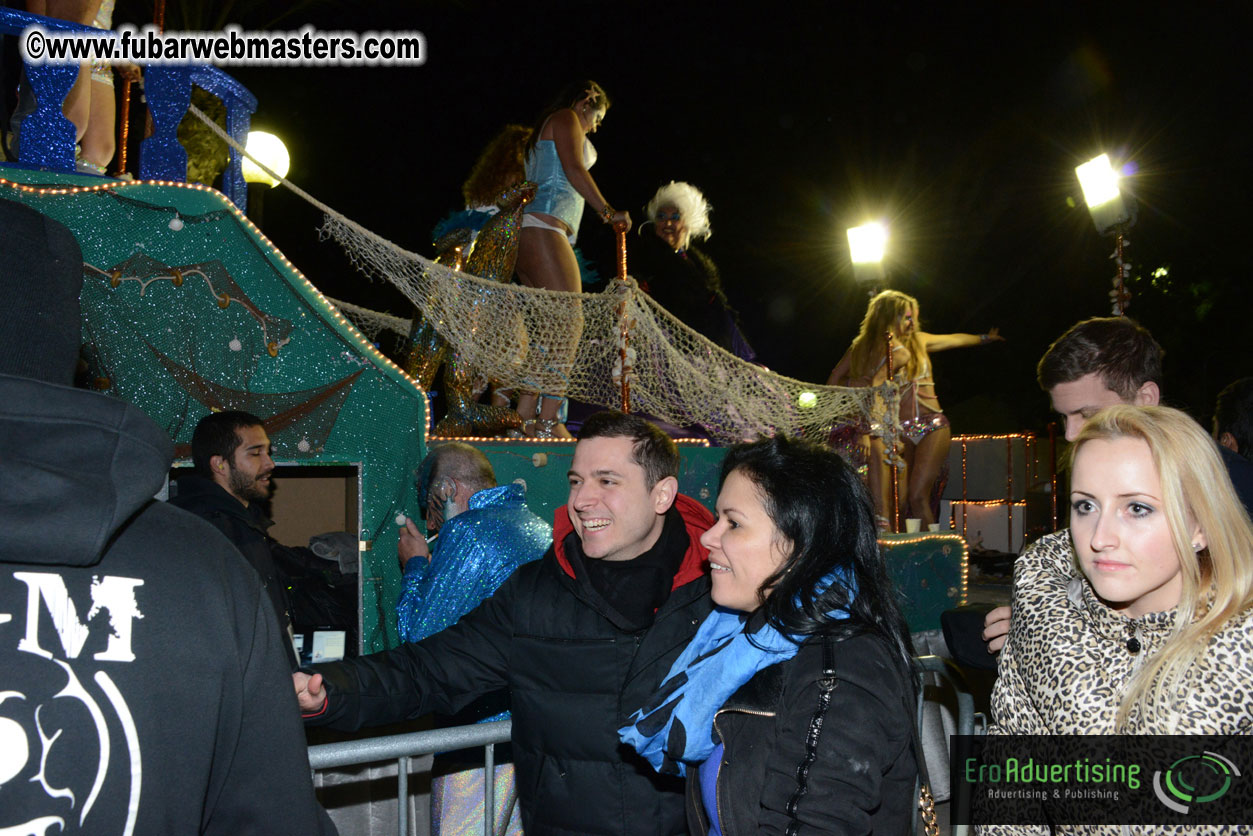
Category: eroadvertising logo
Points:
column 1101, row 779
column 1194, row 779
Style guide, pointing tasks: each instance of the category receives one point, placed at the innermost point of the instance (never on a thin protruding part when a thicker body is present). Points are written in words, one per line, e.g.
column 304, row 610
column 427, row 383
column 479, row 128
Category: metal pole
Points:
column 123, row 126
column 1009, row 494
column 623, row 318
column 965, row 500
column 896, row 472
column 1053, row 469
column 489, row 788
column 402, row 789
column 1122, row 296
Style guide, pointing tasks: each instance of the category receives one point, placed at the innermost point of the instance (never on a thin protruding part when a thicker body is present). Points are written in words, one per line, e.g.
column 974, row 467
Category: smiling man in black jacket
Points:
column 581, row 638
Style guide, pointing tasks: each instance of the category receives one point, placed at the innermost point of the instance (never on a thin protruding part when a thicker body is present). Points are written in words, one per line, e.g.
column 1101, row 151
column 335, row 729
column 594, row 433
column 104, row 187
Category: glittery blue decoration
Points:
column 162, row 156
column 46, row 136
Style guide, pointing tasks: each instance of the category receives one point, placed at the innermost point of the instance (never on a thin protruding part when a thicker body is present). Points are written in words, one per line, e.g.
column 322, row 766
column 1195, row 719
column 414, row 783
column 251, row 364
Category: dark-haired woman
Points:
column 558, row 157
column 793, row 704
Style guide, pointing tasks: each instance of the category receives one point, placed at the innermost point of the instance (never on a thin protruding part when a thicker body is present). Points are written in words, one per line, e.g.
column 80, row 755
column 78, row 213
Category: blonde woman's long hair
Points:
column 1218, row 580
column 870, row 345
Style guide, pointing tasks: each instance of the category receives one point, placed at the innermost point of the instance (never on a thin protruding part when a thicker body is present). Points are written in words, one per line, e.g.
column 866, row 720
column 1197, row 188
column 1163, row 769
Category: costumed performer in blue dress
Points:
column 557, row 159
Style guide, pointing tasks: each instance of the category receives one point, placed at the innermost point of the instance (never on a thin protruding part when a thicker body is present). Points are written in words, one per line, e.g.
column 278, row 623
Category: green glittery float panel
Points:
column 187, row 308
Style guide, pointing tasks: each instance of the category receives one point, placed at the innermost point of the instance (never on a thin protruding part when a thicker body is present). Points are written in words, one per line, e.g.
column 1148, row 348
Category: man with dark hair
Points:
column 581, row 637
column 105, row 594
column 231, row 453
column 482, row 534
column 1100, row 362
column 1233, row 417
column 1233, row 430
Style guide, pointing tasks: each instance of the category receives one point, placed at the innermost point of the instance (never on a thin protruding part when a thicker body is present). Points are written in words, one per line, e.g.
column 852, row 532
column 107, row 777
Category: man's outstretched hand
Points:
column 309, row 692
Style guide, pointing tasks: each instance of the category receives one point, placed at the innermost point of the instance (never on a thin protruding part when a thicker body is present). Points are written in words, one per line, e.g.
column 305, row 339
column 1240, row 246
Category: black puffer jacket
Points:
column 862, row 778
column 574, row 675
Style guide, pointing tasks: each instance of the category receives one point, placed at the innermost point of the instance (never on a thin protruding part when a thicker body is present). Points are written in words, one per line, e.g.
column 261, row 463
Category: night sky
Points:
column 958, row 124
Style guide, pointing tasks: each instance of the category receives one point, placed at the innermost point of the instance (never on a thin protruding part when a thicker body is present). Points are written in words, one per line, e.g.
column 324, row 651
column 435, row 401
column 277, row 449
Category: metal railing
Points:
column 402, row 747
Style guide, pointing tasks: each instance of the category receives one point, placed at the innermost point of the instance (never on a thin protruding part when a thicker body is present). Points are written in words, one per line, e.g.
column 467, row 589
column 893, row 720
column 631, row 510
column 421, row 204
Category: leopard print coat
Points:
column 1066, row 663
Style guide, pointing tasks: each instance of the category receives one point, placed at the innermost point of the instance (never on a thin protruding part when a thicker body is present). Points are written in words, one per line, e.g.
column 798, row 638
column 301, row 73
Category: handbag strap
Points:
column 826, row 685
column 926, row 802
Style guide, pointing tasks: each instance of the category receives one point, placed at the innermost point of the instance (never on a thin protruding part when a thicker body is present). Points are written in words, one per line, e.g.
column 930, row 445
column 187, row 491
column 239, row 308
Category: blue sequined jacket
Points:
column 475, row 552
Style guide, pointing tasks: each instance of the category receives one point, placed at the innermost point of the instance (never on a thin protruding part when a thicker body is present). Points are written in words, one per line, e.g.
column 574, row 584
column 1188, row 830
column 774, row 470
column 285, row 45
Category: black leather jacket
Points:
column 862, row 779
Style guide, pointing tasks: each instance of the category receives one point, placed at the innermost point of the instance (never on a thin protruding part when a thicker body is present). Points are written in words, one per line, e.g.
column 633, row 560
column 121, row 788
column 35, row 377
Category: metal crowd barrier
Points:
column 402, row 747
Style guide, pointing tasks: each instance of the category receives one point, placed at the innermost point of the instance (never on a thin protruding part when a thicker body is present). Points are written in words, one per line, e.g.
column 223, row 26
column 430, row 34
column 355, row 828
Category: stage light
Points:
column 866, row 246
column 807, row 400
column 271, row 152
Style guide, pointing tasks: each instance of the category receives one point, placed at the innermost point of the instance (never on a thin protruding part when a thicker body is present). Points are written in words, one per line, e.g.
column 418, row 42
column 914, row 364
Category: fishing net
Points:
column 573, row 344
column 570, row 344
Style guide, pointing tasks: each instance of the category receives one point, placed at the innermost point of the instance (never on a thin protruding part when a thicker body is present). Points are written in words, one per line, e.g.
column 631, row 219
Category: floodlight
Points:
column 271, row 152
column 867, row 244
column 1099, row 181
column 1100, row 191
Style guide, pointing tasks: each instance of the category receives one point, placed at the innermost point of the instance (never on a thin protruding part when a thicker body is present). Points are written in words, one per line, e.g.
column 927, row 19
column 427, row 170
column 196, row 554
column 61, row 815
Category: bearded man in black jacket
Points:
column 231, row 481
column 581, row 637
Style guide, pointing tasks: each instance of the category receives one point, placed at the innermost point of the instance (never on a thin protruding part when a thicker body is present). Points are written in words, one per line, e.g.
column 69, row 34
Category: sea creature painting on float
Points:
column 188, row 308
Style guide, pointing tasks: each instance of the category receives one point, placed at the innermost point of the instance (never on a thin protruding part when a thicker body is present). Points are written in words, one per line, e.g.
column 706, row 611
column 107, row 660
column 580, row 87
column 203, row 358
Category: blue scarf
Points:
column 673, row 729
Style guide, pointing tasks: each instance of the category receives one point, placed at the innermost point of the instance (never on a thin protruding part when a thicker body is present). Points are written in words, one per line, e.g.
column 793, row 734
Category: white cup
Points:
column 933, row 526
column 913, row 525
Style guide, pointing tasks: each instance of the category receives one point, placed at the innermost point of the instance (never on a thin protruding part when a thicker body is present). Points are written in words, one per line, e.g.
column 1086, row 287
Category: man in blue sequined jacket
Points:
column 484, row 532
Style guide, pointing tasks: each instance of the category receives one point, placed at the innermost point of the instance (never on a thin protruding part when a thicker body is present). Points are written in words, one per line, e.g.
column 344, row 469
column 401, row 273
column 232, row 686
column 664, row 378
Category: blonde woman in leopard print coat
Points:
column 1138, row 619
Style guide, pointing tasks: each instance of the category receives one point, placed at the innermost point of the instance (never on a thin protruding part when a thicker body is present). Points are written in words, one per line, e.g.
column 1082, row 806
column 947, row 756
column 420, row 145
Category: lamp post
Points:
column 270, row 151
column 1113, row 214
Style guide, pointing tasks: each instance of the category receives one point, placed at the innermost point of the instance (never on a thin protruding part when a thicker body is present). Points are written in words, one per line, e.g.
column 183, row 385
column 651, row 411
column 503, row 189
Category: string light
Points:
column 950, row 537
column 681, row 442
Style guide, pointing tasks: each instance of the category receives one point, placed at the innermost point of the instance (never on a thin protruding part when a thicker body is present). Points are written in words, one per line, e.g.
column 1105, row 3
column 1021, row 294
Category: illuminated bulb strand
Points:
column 682, row 442
column 939, row 536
